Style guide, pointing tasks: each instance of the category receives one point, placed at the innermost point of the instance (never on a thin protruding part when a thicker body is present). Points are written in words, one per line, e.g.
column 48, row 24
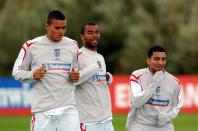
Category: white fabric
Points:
column 99, row 126
column 59, row 119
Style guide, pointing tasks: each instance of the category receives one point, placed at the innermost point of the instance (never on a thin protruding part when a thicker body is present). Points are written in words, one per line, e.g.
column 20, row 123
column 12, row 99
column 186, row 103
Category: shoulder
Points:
column 71, row 42
column 81, row 51
column 172, row 78
column 100, row 56
column 138, row 73
column 32, row 42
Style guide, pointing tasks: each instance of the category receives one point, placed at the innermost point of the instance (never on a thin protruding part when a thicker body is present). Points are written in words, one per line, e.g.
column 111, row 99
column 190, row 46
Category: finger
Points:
column 43, row 68
column 73, row 70
column 75, row 80
column 39, row 73
column 74, row 77
column 75, row 73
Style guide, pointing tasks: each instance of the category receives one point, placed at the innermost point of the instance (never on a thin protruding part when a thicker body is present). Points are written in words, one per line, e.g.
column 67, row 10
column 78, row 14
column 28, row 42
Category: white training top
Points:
column 55, row 89
column 92, row 92
column 154, row 100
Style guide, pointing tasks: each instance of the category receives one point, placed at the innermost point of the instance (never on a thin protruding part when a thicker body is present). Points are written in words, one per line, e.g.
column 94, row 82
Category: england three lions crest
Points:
column 57, row 54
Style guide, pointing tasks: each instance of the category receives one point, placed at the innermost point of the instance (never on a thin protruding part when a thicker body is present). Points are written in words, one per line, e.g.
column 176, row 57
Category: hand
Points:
column 107, row 76
column 39, row 73
column 158, row 76
column 74, row 75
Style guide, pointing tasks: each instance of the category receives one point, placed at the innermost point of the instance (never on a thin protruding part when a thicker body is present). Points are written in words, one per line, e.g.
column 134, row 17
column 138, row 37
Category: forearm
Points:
column 23, row 76
column 87, row 73
column 141, row 97
column 20, row 70
column 164, row 117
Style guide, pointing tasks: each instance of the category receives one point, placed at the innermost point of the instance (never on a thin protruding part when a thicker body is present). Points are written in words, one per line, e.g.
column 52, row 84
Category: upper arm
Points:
column 22, row 60
column 135, row 86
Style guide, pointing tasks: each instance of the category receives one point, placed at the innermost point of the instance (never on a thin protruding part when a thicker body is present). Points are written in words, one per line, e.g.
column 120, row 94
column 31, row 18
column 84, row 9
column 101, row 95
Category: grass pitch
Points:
column 184, row 122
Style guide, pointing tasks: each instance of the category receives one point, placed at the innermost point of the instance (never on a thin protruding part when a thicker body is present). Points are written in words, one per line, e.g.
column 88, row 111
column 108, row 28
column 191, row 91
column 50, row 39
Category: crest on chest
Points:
column 99, row 65
column 57, row 53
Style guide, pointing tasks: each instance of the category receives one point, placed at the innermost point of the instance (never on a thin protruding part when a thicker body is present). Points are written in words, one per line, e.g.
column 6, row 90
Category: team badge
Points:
column 100, row 65
column 157, row 91
column 57, row 53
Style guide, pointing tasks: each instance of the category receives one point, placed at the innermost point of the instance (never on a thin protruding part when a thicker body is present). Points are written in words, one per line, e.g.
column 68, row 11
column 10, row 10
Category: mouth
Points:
column 60, row 35
column 160, row 68
column 95, row 41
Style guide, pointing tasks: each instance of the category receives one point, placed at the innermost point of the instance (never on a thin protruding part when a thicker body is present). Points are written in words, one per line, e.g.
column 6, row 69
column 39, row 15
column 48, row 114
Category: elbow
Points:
column 14, row 74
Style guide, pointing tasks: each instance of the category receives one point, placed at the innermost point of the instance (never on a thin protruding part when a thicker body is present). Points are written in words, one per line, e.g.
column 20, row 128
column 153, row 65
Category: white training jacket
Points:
column 92, row 92
column 55, row 89
column 156, row 99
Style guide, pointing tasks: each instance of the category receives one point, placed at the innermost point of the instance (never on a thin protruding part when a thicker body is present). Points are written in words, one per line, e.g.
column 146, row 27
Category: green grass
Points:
column 184, row 122
column 15, row 123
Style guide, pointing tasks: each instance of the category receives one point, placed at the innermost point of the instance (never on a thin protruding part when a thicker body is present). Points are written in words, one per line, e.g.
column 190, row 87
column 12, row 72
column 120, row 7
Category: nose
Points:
column 96, row 35
column 161, row 62
column 62, row 31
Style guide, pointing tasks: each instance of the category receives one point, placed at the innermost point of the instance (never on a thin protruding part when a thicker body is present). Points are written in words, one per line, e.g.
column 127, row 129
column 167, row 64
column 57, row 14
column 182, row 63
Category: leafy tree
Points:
column 128, row 29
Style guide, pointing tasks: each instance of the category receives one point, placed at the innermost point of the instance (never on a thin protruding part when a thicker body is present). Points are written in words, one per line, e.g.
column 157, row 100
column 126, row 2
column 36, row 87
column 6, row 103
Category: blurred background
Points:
column 128, row 28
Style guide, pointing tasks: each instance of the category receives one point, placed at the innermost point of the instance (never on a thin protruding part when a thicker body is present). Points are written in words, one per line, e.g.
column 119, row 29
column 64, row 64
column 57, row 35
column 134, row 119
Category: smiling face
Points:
column 157, row 61
column 56, row 30
column 91, row 37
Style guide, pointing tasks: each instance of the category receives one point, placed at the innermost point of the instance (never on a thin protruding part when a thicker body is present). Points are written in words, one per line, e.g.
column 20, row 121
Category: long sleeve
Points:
column 140, row 96
column 21, row 70
column 164, row 117
column 86, row 73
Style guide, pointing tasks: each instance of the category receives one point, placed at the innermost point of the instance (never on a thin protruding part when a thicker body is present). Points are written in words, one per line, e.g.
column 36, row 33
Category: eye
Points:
column 89, row 32
column 57, row 28
column 164, row 58
column 97, row 32
column 156, row 58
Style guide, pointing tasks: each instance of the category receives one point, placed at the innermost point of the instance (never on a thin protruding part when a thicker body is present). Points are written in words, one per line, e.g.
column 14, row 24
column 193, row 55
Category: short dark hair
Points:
column 55, row 14
column 82, row 31
column 155, row 48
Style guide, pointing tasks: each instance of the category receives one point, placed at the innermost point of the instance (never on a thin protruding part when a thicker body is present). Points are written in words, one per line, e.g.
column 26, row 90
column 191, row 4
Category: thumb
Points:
column 73, row 70
column 43, row 66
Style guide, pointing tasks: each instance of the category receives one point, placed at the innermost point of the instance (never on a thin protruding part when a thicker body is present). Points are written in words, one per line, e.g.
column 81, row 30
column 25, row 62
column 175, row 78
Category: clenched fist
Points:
column 158, row 76
column 74, row 75
column 39, row 73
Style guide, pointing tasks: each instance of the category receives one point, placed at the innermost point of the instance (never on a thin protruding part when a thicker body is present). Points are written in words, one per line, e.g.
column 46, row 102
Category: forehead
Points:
column 159, row 54
column 56, row 22
column 91, row 27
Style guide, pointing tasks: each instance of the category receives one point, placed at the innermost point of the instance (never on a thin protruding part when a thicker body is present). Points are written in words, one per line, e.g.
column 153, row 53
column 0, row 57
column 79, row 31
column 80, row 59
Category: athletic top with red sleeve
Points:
column 55, row 89
column 149, row 101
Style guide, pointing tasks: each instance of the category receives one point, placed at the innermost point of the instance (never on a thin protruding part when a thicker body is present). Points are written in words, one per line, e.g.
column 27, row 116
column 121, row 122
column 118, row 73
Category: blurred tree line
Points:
column 128, row 29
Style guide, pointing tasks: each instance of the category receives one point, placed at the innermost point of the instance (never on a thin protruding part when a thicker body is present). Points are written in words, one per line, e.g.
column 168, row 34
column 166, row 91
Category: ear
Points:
column 148, row 61
column 82, row 37
column 46, row 27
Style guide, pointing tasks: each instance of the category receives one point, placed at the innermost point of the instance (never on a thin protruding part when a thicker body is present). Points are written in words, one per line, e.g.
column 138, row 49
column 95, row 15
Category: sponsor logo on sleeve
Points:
column 98, row 78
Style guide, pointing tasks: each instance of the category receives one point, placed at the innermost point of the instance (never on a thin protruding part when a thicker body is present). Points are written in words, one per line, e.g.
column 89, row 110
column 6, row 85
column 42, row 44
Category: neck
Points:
column 152, row 72
column 92, row 49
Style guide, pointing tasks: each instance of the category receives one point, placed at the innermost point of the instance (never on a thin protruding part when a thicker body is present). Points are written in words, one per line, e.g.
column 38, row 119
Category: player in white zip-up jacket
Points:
column 46, row 61
column 92, row 92
column 156, row 95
